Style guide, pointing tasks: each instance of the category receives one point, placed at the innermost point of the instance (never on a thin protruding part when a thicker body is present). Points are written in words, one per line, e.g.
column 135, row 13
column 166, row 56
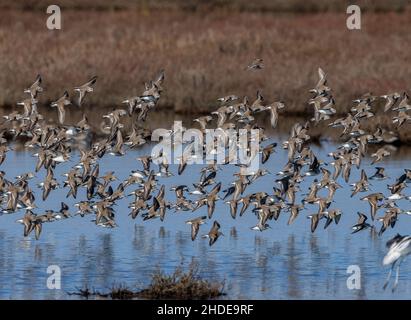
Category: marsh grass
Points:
column 204, row 55
column 181, row 285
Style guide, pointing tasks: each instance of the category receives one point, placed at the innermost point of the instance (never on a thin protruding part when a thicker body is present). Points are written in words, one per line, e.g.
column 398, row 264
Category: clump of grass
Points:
column 178, row 285
column 84, row 292
column 117, row 292
column 122, row 292
column 181, row 285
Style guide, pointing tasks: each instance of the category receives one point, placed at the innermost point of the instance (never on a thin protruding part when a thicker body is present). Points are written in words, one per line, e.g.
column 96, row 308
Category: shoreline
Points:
column 163, row 117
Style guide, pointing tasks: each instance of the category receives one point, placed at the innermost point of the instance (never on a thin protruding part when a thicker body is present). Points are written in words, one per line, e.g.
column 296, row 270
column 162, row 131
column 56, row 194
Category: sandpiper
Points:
column 404, row 104
column 233, row 207
column 294, row 211
column 391, row 100
column 27, row 221
column 361, row 185
column 246, row 202
column 373, row 199
column 61, row 103
column 267, row 151
column 380, row 154
column 136, row 206
column 389, row 219
column 146, row 161
column 379, row 174
column 332, row 215
column 202, row 121
column 35, row 88
column 314, row 168
column 12, row 198
column 84, row 207
column 315, row 218
column 117, row 149
column 401, row 118
column 361, row 223
column 195, row 226
column 29, row 106
column 256, row 64
column 321, row 86
column 214, row 233
column 227, row 99
column 84, row 89
column 64, row 210
column 311, row 197
column 263, row 215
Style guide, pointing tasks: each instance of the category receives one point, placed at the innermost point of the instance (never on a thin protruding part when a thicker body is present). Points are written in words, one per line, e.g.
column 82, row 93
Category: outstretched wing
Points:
column 194, row 230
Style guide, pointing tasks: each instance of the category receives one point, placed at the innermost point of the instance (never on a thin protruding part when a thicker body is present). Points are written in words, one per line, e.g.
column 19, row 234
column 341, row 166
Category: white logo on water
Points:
column 54, row 281
column 354, row 280
column 354, row 18
column 54, row 20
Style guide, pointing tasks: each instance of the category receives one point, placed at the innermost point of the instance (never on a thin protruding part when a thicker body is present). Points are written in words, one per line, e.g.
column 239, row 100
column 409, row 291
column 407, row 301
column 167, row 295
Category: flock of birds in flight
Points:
column 52, row 145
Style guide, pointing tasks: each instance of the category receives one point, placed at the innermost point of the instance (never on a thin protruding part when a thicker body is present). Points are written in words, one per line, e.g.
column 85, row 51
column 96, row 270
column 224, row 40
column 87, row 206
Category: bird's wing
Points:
column 194, row 230
column 89, row 83
column 37, row 82
column 61, row 113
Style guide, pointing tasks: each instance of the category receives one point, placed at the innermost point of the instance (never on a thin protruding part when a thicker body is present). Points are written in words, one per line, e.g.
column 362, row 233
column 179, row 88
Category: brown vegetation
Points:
column 179, row 285
column 204, row 55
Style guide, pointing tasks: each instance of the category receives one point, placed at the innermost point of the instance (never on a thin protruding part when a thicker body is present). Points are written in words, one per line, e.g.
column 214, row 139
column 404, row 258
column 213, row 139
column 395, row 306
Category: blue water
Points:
column 284, row 262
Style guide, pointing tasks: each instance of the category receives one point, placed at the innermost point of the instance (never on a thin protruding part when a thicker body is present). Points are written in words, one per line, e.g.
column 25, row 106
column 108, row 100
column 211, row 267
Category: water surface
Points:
column 284, row 262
